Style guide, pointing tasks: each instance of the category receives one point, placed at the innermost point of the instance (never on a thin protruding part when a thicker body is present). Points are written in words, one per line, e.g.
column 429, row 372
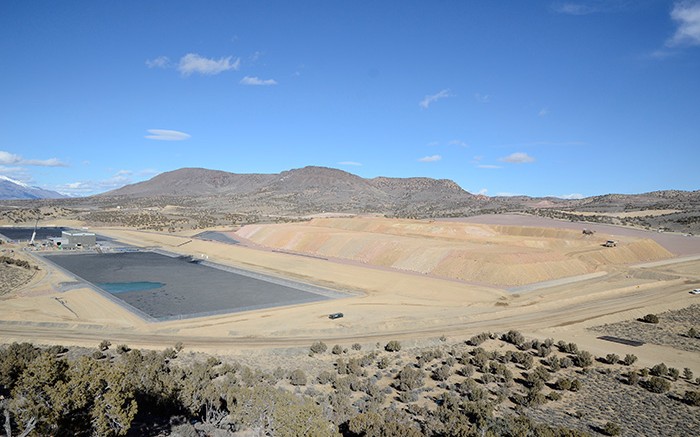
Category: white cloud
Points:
column 432, row 98
column 543, row 112
column 251, row 80
column 459, row 143
column 159, row 62
column 574, row 8
column 357, row 164
column 433, row 144
column 570, row 196
column 431, row 158
column 687, row 15
column 255, row 56
column 543, row 143
column 166, row 135
column 489, row 166
column 482, row 191
column 117, row 180
column 7, row 158
column 148, row 172
column 18, row 173
column 483, row 98
column 51, row 162
column 518, row 158
column 194, row 63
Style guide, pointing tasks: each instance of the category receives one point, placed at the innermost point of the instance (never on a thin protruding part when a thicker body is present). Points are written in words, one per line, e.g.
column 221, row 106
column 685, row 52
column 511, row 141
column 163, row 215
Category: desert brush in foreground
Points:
column 488, row 385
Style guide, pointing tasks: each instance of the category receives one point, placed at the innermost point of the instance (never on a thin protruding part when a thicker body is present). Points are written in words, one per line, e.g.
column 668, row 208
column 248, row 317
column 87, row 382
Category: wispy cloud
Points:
column 518, row 158
column 489, row 166
column 543, row 144
column 431, row 158
column 459, row 143
column 571, row 8
column 569, row 196
column 251, row 80
column 543, row 112
column 353, row 163
column 687, row 16
column 193, row 63
column 166, row 135
column 159, row 62
column 7, row 158
column 18, row 173
column 482, row 98
column 482, row 191
column 432, row 98
column 116, row 180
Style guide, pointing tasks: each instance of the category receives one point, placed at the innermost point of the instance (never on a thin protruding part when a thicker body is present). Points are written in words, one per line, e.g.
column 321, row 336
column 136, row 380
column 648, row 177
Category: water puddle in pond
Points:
column 123, row 287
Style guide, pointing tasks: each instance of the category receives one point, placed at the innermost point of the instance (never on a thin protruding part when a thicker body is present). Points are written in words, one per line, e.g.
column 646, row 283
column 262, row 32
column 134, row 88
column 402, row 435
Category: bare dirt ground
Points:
column 389, row 303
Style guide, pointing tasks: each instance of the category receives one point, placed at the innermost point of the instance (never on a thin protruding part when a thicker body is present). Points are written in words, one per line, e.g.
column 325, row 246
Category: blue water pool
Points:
column 123, row 287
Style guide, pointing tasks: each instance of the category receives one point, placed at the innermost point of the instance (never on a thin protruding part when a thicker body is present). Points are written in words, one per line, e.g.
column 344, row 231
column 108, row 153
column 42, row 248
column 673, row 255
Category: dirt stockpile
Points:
column 499, row 255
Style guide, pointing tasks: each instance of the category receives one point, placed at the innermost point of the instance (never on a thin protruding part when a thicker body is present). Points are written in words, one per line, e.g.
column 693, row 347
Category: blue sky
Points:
column 503, row 97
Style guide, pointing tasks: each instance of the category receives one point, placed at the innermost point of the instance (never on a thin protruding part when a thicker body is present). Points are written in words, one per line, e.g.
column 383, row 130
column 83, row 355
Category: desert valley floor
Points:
column 409, row 280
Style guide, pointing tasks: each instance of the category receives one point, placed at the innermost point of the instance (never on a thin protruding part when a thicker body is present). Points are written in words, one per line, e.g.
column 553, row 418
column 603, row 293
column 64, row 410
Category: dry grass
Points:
column 605, row 397
column 670, row 331
column 13, row 277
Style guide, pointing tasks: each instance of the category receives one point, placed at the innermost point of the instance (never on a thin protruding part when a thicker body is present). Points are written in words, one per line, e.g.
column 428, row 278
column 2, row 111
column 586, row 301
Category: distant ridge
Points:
column 11, row 189
column 305, row 189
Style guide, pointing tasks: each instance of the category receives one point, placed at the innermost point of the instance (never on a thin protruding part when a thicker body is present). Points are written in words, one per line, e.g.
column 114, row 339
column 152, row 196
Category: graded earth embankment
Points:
column 489, row 254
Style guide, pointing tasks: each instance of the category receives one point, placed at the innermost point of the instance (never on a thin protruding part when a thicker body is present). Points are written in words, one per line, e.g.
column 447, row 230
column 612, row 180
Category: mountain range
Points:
column 11, row 189
column 304, row 190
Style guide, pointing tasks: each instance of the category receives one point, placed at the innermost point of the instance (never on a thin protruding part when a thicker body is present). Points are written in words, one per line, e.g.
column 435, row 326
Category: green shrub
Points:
column 563, row 384
column 297, row 377
column 513, row 337
column 576, row 385
column 554, row 395
column 629, row 359
column 657, row 385
column 633, row 378
column 478, row 339
column 611, row 428
column 687, row 374
column 692, row 398
column 324, row 377
column 393, row 346
column 319, row 347
column 583, row 359
column 442, row 373
column 650, row 318
column 612, row 358
column 410, row 378
column 659, row 370
column 673, row 373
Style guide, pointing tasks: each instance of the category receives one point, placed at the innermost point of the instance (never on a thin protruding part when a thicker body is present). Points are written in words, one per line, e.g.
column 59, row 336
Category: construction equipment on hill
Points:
column 610, row 243
column 31, row 241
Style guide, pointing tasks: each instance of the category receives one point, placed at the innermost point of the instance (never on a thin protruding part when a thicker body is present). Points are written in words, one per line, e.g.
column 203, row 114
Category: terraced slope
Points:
column 489, row 254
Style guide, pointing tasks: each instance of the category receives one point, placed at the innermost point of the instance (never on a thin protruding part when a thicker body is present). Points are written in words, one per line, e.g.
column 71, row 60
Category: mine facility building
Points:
column 75, row 240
